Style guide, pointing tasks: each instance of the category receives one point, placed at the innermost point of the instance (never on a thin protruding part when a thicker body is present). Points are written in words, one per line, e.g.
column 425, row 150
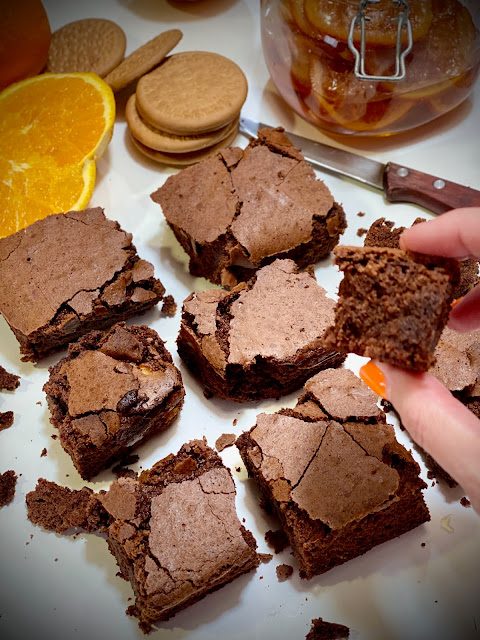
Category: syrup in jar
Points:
column 307, row 52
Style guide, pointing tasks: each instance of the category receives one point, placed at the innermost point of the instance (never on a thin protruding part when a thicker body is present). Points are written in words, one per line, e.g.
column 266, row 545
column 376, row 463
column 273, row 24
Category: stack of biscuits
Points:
column 187, row 108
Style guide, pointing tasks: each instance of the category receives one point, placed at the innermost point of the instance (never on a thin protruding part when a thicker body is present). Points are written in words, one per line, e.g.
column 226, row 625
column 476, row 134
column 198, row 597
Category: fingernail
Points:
column 455, row 302
column 373, row 378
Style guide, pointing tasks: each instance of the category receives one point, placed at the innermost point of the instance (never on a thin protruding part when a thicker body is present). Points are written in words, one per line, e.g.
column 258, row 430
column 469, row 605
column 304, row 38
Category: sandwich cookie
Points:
column 187, row 158
column 143, row 59
column 191, row 93
column 92, row 45
column 158, row 140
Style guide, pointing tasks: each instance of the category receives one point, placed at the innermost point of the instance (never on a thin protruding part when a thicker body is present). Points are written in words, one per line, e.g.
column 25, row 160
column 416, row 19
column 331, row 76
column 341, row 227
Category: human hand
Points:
column 437, row 421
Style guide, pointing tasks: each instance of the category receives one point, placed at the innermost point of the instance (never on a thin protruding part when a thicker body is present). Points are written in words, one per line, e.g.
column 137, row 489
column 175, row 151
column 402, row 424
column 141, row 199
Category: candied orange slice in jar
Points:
column 334, row 18
column 313, row 65
column 350, row 104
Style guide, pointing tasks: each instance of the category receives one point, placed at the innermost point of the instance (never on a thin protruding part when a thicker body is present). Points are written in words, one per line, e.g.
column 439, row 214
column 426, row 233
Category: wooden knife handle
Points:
column 435, row 194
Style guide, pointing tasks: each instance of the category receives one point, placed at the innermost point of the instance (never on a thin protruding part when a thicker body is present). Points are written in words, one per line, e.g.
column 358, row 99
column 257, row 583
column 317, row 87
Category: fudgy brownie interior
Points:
column 392, row 305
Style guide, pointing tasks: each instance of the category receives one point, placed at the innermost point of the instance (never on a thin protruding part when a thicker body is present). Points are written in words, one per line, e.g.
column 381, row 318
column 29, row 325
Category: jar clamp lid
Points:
column 403, row 22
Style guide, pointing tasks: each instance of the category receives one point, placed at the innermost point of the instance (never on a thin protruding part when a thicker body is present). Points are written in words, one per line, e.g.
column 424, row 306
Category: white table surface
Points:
column 58, row 587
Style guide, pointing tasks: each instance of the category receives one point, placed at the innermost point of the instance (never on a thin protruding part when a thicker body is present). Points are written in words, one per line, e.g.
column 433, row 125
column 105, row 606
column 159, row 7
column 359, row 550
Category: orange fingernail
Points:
column 456, row 302
column 373, row 378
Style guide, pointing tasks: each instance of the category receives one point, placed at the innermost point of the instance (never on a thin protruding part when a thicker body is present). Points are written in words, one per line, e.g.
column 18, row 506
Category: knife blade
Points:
column 397, row 182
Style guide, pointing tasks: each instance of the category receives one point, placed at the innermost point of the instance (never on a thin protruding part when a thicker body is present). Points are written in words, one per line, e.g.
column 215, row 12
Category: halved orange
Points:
column 53, row 128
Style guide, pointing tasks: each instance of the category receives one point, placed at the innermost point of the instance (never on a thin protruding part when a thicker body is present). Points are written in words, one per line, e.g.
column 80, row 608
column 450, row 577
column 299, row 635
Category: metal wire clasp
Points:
column 402, row 22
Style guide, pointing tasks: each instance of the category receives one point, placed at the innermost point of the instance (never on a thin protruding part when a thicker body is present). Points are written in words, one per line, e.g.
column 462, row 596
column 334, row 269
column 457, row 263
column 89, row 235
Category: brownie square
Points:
column 383, row 234
column 262, row 339
column 68, row 274
column 112, row 391
column 393, row 305
column 176, row 534
column 334, row 473
column 241, row 209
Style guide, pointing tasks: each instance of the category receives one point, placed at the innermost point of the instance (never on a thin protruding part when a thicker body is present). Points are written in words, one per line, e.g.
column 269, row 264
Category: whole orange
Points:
column 24, row 39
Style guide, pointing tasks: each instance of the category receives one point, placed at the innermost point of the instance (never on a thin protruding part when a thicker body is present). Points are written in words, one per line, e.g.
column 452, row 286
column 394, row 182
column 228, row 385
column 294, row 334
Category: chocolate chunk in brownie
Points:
column 59, row 509
column 242, row 209
column 261, row 340
column 8, row 482
column 277, row 540
column 393, row 305
column 8, row 381
column 383, row 234
column 175, row 532
column 113, row 390
column 338, row 481
column 6, row 419
column 323, row 630
column 68, row 274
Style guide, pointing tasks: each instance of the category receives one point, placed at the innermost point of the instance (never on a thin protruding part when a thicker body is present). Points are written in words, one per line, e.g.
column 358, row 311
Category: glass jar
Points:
column 306, row 49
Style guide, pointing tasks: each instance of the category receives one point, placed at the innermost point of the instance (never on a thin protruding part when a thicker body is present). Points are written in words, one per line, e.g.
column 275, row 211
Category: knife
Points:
column 398, row 183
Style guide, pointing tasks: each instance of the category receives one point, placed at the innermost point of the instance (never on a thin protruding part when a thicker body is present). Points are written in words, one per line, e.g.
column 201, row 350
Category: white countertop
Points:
column 59, row 587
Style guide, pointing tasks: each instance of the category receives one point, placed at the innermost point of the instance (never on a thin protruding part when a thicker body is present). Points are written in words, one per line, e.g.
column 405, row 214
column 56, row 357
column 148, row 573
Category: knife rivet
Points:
column 439, row 184
column 402, row 172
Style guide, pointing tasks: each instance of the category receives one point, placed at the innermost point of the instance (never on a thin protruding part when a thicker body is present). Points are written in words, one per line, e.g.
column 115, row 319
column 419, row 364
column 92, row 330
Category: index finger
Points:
column 455, row 234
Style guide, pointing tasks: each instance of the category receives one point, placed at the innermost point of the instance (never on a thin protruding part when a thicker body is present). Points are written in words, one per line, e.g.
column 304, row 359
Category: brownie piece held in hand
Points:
column 383, row 234
column 68, row 274
column 393, row 305
column 334, row 473
column 262, row 339
column 111, row 392
column 241, row 209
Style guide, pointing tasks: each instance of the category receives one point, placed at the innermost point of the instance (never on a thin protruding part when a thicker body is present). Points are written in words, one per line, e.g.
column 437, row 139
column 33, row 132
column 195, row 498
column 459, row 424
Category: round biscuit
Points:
column 192, row 92
column 143, row 59
column 167, row 142
column 184, row 158
column 94, row 44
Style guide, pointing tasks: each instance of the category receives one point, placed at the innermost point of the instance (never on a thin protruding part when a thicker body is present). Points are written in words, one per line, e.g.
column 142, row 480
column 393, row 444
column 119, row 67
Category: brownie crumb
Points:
column 323, row 630
column 58, row 509
column 8, row 381
column 238, row 469
column 234, row 422
column 361, row 232
column 360, row 214
column 6, row 420
column 284, row 571
column 39, row 403
column 44, row 452
column 54, row 436
column 277, row 540
column 8, row 482
column 122, row 470
column 169, row 306
column 265, row 557
column 423, row 544
column 465, row 502
column 225, row 440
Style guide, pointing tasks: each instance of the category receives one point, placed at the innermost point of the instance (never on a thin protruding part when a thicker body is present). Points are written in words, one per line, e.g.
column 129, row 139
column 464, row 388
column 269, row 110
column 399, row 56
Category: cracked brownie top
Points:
column 243, row 207
column 106, row 377
column 67, row 271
